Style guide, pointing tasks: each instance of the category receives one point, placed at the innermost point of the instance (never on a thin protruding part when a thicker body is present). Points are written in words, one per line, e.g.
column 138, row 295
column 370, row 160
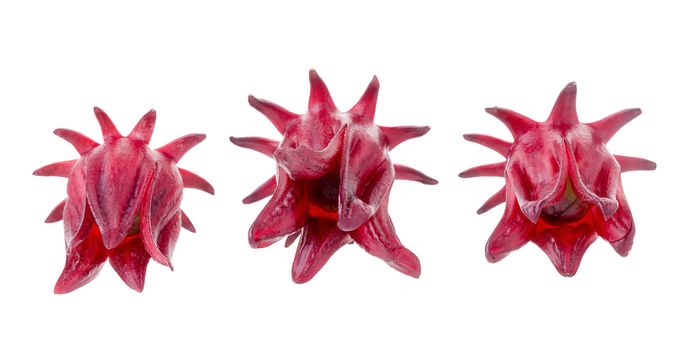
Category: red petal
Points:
column 285, row 213
column 618, row 226
column 378, row 237
column 166, row 240
column 130, row 261
column 513, row 230
column 366, row 175
column 321, row 239
column 623, row 246
column 74, row 217
column 565, row 245
column 593, row 172
column 562, row 167
column 83, row 263
column 147, row 230
column 115, row 186
column 537, row 170
column 304, row 163
column 160, row 204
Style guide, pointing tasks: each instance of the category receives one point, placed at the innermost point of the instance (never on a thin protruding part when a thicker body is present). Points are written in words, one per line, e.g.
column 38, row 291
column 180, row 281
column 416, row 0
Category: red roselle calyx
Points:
column 123, row 202
column 562, row 186
column 332, row 181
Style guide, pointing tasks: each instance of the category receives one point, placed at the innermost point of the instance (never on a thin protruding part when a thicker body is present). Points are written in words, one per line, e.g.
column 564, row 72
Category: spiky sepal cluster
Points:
column 332, row 181
column 123, row 202
column 562, row 186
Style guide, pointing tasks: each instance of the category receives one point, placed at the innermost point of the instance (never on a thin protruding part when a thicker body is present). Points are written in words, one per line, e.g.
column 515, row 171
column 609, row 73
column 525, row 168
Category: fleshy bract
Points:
column 123, row 202
column 332, row 182
column 562, row 186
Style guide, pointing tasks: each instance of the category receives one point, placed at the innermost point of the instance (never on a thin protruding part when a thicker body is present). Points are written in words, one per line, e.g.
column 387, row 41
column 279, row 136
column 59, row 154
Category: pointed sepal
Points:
column 395, row 135
column 57, row 213
column 108, row 129
column 291, row 238
column 402, row 172
column 259, row 144
column 186, row 222
column 564, row 112
column 192, row 180
column 279, row 116
column 82, row 143
column 264, row 190
column 143, row 130
column 497, row 169
column 495, row 200
column 634, row 163
column 515, row 122
column 60, row 169
column 320, row 100
column 607, row 127
column 366, row 106
column 177, row 148
column 498, row 145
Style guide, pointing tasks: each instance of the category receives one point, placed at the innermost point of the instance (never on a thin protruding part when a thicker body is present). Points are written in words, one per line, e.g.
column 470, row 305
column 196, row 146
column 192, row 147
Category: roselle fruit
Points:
column 123, row 202
column 332, row 182
column 562, row 186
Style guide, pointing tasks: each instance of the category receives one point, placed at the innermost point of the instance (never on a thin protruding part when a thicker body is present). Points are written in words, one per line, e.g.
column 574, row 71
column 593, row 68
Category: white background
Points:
column 439, row 64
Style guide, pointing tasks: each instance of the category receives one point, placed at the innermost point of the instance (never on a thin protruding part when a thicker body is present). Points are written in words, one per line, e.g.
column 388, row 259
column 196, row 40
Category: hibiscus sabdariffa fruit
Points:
column 332, row 181
column 562, row 186
column 123, row 202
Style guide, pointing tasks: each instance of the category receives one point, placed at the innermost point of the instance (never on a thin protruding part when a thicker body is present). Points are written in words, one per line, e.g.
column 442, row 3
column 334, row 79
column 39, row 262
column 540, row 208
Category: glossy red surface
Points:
column 562, row 185
column 332, row 181
column 123, row 202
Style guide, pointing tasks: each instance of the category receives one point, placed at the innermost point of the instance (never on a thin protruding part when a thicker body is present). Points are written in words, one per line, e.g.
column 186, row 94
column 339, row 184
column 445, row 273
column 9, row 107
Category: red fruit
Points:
column 123, row 202
column 332, row 181
column 562, row 186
